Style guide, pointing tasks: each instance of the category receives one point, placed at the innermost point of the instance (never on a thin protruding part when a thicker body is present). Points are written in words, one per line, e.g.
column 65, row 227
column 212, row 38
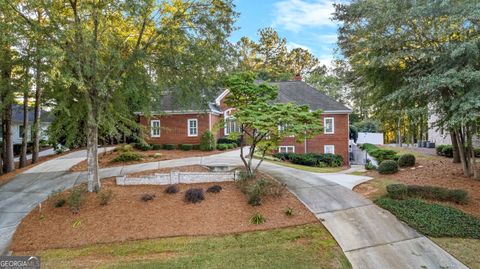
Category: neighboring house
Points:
column 17, row 124
column 440, row 136
column 176, row 125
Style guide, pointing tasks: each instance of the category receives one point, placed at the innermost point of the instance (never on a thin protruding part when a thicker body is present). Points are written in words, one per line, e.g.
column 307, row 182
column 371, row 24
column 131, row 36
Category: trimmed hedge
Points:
column 388, row 167
column 433, row 219
column 402, row 191
column 185, row 146
column 156, row 146
column 312, row 159
column 169, row 146
column 142, row 146
column 406, row 160
column 226, row 140
column 223, row 146
column 378, row 153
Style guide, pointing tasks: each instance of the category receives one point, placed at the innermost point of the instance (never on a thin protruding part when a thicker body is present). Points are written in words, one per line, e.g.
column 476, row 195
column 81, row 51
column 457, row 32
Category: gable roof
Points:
column 300, row 93
column 17, row 115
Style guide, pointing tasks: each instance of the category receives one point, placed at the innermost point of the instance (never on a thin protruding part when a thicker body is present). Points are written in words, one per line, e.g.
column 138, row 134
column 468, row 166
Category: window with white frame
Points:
column 231, row 126
column 329, row 149
column 155, row 128
column 286, row 149
column 192, row 127
column 328, row 125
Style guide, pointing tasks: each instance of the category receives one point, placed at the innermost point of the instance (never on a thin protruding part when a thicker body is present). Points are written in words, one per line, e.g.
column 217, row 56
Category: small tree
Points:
column 264, row 123
column 207, row 141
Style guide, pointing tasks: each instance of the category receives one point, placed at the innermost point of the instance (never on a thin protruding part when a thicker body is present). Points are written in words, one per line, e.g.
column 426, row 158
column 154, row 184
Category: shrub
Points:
column 194, row 195
column 186, row 146
column 207, row 141
column 330, row 160
column 156, row 155
column 127, row 156
column 304, row 159
column 172, row 189
column 105, row 196
column 378, row 153
column 397, row 191
column 214, row 189
column 256, row 191
column 257, row 218
column 142, row 146
column 59, row 202
column 406, row 160
column 439, row 149
column 75, row 199
column 123, row 148
column 370, row 166
column 401, row 191
column 156, row 146
column 447, row 151
column 147, row 197
column 226, row 140
column 169, row 147
column 433, row 219
column 288, row 211
column 388, row 167
column 275, row 189
column 222, row 146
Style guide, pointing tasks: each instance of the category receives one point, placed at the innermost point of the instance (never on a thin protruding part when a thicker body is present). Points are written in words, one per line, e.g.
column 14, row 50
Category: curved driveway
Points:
column 370, row 236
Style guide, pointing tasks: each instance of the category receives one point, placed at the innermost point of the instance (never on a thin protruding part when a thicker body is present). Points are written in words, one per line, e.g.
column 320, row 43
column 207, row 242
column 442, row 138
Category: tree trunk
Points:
column 471, row 152
column 37, row 115
column 456, row 153
column 461, row 151
column 24, row 134
column 399, row 134
column 92, row 150
column 8, row 160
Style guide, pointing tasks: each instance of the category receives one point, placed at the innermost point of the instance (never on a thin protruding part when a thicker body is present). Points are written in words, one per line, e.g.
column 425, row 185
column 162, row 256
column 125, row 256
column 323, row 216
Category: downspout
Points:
column 210, row 121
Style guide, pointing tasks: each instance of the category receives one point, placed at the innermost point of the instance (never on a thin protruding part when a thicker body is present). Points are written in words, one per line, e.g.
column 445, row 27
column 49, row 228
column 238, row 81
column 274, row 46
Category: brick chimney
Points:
column 297, row 77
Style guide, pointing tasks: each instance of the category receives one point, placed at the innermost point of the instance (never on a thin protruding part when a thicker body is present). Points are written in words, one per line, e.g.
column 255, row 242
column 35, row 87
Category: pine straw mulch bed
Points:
column 434, row 171
column 127, row 217
column 187, row 168
column 105, row 158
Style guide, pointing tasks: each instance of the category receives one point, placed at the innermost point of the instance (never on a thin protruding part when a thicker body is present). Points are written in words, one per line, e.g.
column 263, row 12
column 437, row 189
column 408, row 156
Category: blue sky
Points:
column 305, row 23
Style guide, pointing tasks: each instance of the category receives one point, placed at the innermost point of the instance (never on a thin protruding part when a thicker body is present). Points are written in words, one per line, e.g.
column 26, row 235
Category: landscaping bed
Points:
column 305, row 246
column 106, row 159
column 428, row 170
column 128, row 217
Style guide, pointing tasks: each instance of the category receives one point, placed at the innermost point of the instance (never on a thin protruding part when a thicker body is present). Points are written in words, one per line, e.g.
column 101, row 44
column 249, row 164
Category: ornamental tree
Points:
column 263, row 123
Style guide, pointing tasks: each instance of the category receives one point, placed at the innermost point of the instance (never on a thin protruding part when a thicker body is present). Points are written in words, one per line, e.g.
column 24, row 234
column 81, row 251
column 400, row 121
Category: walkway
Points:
column 370, row 237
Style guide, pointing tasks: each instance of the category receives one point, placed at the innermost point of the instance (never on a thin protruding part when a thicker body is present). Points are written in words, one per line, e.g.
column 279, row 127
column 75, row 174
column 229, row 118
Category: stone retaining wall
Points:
column 177, row 177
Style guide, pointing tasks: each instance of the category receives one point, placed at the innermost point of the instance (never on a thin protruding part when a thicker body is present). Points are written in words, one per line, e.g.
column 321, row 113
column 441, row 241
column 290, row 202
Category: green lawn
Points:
column 307, row 246
column 308, row 168
column 464, row 249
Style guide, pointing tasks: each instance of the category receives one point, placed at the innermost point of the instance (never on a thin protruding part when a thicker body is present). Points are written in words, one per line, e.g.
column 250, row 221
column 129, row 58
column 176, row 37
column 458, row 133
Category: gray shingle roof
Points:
column 300, row 93
column 170, row 102
column 17, row 115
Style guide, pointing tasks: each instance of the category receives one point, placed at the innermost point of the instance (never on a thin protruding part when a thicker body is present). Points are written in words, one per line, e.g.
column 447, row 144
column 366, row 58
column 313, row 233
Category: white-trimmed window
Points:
column 231, row 126
column 155, row 128
column 329, row 149
column 286, row 149
column 192, row 126
column 329, row 125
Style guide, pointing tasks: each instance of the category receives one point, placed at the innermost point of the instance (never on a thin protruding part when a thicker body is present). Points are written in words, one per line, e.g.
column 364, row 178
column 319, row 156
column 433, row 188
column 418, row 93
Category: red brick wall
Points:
column 173, row 128
column 316, row 145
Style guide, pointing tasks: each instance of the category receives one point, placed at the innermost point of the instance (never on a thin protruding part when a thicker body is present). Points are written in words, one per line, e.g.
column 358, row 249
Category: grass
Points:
column 307, row 246
column 379, row 187
column 308, row 168
column 433, row 219
column 464, row 249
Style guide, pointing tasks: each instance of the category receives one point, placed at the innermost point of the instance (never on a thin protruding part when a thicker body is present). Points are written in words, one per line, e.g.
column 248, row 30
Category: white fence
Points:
column 177, row 177
column 372, row 138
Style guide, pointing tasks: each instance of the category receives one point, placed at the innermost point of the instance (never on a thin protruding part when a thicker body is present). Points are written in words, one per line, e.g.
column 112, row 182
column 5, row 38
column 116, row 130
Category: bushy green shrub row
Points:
column 447, row 151
column 226, row 146
column 227, row 140
column 433, row 219
column 406, row 160
column 378, row 153
column 402, row 191
column 388, row 167
column 312, row 159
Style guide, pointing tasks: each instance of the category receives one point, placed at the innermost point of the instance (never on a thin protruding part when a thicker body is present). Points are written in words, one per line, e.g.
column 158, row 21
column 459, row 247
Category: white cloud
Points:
column 327, row 38
column 293, row 45
column 295, row 14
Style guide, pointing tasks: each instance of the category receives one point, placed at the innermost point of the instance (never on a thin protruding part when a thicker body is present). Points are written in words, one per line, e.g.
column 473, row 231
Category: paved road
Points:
column 42, row 153
column 370, row 237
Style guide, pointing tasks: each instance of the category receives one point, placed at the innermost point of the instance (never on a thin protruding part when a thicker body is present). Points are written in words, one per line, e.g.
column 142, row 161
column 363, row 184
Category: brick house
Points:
column 176, row 125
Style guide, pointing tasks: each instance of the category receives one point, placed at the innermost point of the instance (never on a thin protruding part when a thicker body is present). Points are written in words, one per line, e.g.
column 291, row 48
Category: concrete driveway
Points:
column 370, row 236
